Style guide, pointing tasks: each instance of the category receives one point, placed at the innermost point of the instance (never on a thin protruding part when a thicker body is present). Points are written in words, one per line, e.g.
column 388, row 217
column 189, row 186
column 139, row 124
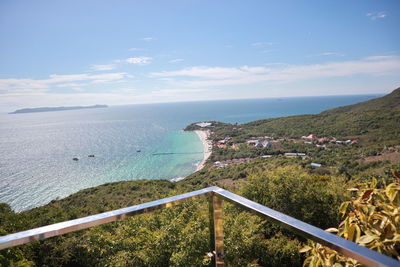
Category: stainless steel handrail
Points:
column 347, row 248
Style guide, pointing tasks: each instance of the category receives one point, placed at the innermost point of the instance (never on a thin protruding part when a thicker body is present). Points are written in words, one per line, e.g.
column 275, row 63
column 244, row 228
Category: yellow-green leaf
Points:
column 305, row 249
column 365, row 239
column 332, row 230
column 353, row 189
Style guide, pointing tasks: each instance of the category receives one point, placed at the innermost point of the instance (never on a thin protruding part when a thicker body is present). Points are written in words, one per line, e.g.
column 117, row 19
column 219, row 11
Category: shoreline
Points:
column 207, row 147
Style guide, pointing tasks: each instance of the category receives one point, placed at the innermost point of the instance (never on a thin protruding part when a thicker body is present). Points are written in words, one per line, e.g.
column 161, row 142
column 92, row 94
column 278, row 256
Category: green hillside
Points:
column 378, row 118
column 389, row 101
column 179, row 236
column 374, row 124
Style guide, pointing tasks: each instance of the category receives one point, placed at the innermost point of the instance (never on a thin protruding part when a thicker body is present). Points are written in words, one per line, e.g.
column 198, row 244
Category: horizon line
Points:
column 207, row 100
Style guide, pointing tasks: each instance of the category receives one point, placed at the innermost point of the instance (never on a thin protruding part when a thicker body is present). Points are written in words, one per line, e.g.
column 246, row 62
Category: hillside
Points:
column 378, row 118
column 389, row 101
column 373, row 125
column 179, row 236
column 51, row 109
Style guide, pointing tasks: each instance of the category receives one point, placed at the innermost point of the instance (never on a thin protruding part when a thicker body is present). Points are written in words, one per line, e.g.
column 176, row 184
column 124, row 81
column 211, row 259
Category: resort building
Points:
column 310, row 137
column 204, row 124
column 315, row 165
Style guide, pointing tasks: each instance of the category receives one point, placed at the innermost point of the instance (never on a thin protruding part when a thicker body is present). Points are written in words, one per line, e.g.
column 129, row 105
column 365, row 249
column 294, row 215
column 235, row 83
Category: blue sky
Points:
column 124, row 52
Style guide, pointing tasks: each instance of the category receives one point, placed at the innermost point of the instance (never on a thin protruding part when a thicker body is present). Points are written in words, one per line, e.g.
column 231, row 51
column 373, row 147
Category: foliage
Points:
column 283, row 251
column 244, row 151
column 246, row 245
column 389, row 101
column 291, row 190
column 173, row 237
column 371, row 219
column 179, row 236
column 244, row 242
column 375, row 124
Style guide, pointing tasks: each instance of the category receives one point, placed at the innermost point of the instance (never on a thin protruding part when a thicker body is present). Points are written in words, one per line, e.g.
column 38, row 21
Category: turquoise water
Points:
column 36, row 163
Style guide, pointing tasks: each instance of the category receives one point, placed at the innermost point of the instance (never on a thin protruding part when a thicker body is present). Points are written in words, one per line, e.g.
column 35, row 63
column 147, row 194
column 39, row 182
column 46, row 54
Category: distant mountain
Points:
column 389, row 101
column 287, row 185
column 378, row 118
column 49, row 109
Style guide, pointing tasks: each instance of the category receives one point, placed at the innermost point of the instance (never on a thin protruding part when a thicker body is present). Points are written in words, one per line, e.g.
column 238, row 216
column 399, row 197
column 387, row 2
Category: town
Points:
column 265, row 144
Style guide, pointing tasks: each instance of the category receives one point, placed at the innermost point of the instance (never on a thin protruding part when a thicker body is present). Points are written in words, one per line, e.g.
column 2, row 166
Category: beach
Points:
column 207, row 147
column 37, row 165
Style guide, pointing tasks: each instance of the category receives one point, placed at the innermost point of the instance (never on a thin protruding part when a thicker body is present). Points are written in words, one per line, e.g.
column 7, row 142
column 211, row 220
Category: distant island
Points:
column 300, row 165
column 48, row 109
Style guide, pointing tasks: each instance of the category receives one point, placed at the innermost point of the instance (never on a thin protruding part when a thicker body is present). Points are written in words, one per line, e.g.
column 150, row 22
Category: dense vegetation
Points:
column 375, row 124
column 179, row 236
column 375, row 120
column 371, row 219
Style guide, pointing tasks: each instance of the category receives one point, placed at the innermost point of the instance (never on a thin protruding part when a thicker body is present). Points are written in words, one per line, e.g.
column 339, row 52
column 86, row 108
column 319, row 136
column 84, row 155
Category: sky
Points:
column 63, row 53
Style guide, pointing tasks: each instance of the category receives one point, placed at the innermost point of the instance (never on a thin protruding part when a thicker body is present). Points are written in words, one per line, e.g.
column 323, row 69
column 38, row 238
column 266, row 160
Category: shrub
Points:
column 371, row 219
column 291, row 190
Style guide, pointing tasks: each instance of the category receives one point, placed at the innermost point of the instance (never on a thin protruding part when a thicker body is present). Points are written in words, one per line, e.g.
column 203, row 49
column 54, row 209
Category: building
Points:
column 315, row 165
column 266, row 156
column 268, row 145
column 258, row 145
column 204, row 124
column 323, row 140
column 252, row 142
column 310, row 137
column 295, row 154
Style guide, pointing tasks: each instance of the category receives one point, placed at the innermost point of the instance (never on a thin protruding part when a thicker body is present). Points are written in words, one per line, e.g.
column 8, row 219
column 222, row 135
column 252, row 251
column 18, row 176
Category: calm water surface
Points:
column 36, row 163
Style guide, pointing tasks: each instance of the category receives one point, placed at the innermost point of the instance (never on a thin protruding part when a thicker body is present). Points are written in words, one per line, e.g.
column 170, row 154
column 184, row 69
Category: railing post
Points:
column 216, row 230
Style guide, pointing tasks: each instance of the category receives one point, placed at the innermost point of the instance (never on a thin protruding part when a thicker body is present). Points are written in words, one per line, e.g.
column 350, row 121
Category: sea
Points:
column 37, row 149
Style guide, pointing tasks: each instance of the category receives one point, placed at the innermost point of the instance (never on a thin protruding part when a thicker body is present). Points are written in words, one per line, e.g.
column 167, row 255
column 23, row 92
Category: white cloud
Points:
column 135, row 49
column 102, row 67
column 138, row 60
column 326, row 54
column 202, row 76
column 174, row 92
column 147, row 39
column 266, row 51
column 176, row 60
column 332, row 54
column 202, row 83
column 376, row 15
column 262, row 44
column 277, row 64
column 124, row 96
column 201, row 72
column 55, row 80
column 68, row 85
column 125, row 90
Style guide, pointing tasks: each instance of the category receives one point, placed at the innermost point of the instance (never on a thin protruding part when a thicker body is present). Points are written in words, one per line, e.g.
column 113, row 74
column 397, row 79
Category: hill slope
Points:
column 389, row 101
column 378, row 119
column 179, row 236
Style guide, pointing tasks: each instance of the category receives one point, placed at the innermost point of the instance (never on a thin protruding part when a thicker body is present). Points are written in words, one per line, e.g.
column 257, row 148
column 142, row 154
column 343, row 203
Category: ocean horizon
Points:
column 36, row 163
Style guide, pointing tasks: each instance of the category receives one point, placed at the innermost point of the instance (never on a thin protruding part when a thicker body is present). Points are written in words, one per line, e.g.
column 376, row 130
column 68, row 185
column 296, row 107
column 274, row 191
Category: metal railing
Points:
column 216, row 195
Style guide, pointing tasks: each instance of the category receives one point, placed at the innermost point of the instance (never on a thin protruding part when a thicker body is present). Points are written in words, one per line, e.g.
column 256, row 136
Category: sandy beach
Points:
column 207, row 147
